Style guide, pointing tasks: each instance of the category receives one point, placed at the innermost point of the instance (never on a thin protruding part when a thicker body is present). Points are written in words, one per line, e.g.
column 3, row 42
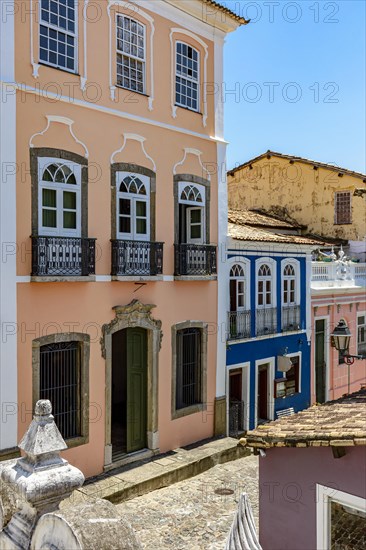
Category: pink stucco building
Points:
column 113, row 204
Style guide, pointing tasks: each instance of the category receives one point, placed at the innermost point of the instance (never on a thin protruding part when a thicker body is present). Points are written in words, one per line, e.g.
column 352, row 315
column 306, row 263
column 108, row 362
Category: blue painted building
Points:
column 269, row 320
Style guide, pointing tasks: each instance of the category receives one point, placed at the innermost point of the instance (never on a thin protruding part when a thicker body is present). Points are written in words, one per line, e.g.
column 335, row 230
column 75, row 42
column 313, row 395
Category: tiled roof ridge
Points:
column 294, row 158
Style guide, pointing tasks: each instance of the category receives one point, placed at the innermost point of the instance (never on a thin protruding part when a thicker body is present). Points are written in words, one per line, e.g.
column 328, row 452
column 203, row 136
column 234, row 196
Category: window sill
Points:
column 195, row 277
column 137, row 278
column 193, row 409
column 131, row 91
column 76, row 441
column 43, row 64
column 62, row 279
column 188, row 109
column 342, row 223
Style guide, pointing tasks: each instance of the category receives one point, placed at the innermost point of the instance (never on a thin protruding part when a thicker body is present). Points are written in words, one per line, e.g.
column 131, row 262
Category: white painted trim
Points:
column 133, row 198
column 270, row 381
column 196, row 38
column 102, row 109
column 359, row 314
column 217, row 84
column 296, row 265
column 84, row 78
column 35, row 65
column 198, row 154
column 245, row 263
column 256, row 338
column 324, row 497
column 222, row 294
column 299, row 355
column 61, row 120
column 245, row 392
column 141, row 140
column 8, row 233
column 325, row 318
column 273, row 266
column 127, row 6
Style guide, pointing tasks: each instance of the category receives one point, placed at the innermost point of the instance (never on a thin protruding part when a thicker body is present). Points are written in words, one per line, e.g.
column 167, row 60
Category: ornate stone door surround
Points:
column 135, row 314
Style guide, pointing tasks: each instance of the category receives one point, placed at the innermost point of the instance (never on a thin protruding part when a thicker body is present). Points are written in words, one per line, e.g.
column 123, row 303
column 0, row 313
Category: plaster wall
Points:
column 296, row 189
column 287, row 483
column 333, row 308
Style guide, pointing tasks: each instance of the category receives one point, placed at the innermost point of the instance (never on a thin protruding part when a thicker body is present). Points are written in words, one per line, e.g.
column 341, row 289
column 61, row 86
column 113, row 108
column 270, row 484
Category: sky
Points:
column 294, row 81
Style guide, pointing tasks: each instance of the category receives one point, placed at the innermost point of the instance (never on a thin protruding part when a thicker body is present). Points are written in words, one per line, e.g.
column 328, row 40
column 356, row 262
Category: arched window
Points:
column 59, row 198
column 133, row 207
column 237, row 288
column 264, row 286
column 191, row 213
column 289, row 285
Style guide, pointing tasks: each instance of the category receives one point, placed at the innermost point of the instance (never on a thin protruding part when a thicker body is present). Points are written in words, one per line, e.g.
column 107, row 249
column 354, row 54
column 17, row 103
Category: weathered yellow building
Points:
column 317, row 195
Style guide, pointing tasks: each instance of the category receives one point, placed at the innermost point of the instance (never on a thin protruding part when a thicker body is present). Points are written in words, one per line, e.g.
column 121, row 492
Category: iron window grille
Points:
column 187, row 76
column 195, row 259
column 342, row 213
column 60, row 374
column 58, row 33
column 136, row 258
column 291, row 317
column 189, row 371
column 62, row 256
column 130, row 54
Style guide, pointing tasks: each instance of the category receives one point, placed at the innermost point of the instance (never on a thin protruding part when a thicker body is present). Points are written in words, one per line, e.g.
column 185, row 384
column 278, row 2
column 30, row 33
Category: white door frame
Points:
column 245, row 391
column 271, row 361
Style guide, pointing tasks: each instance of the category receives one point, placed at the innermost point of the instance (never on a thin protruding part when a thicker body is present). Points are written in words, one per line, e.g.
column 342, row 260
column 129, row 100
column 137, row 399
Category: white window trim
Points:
column 199, row 41
column 189, row 78
column 270, row 383
column 336, row 222
column 143, row 61
column 273, row 266
column 296, row 265
column 60, row 29
column 190, row 239
column 299, row 355
column 245, row 264
column 112, row 49
column 43, row 162
column 359, row 314
column 201, row 188
column 245, row 368
column 324, row 497
column 143, row 198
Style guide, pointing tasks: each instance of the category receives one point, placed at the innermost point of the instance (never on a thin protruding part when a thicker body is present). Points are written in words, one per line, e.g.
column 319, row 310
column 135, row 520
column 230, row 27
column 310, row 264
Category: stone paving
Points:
column 189, row 515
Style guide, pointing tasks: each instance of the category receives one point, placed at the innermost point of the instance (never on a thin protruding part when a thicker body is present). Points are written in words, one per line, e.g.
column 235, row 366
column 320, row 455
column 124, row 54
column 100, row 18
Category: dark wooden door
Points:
column 235, row 386
column 263, row 393
column 320, row 365
column 136, row 389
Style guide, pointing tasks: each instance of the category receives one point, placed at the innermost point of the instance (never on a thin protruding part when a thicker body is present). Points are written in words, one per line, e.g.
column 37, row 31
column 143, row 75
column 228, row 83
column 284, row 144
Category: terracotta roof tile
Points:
column 226, row 10
column 260, row 219
column 247, row 233
column 337, row 423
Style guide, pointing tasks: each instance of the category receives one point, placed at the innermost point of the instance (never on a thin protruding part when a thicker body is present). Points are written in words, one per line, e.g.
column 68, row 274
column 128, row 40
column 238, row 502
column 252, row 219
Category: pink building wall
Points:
column 287, row 483
column 332, row 308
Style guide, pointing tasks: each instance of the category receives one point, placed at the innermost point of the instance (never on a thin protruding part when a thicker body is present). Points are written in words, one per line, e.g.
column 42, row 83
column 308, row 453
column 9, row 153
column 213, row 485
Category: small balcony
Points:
column 136, row 258
column 266, row 321
column 62, row 257
column 337, row 274
column 194, row 260
column 291, row 318
column 239, row 324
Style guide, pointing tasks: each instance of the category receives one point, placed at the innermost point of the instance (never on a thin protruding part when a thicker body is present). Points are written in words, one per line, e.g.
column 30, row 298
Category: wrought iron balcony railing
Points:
column 266, row 321
column 62, row 256
column 136, row 258
column 291, row 318
column 195, row 259
column 239, row 324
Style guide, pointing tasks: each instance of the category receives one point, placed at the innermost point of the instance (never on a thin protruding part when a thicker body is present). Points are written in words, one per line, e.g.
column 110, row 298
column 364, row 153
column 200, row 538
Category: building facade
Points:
column 269, row 324
column 115, row 160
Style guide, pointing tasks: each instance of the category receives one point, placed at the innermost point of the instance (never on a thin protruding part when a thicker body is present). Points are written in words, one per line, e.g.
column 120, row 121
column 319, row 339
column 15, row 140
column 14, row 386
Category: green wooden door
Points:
column 320, row 366
column 136, row 389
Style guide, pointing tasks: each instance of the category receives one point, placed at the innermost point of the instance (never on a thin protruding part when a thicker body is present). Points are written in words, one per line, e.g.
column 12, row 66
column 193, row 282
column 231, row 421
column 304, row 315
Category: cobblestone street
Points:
column 189, row 514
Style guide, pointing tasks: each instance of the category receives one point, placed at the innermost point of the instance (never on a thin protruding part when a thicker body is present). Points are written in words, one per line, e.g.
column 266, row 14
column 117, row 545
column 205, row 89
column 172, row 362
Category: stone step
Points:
column 161, row 471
